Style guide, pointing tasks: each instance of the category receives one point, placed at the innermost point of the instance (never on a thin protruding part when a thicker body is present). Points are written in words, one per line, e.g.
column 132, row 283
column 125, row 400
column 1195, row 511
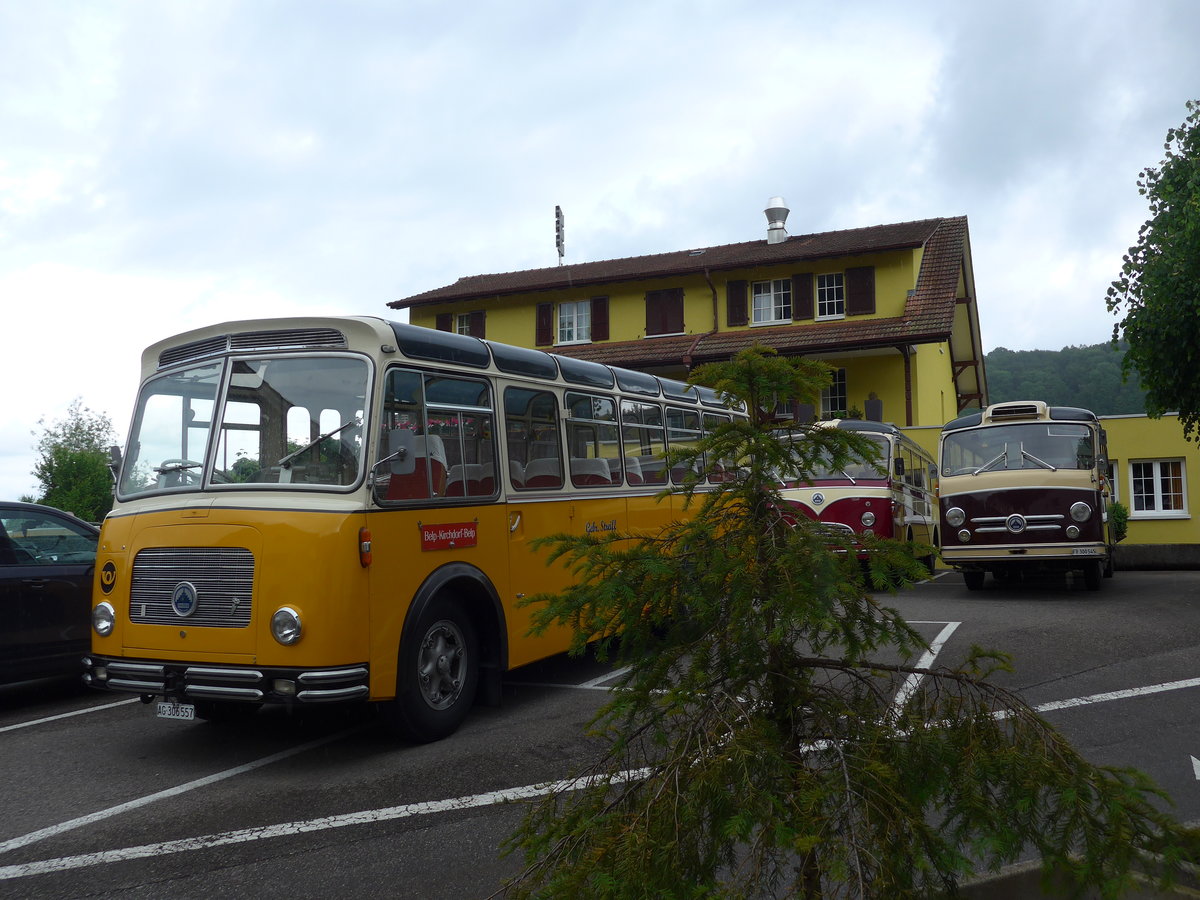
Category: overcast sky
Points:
column 166, row 165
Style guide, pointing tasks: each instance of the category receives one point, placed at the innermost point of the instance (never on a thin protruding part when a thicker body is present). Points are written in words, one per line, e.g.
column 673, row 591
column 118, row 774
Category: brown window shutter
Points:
column 545, row 325
column 736, row 312
column 675, row 311
column 445, row 322
column 478, row 324
column 860, row 291
column 599, row 318
column 653, row 313
column 802, row 296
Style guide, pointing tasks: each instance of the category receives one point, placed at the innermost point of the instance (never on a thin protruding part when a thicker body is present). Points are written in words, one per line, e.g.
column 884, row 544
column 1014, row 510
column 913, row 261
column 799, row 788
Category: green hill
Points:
column 1089, row 377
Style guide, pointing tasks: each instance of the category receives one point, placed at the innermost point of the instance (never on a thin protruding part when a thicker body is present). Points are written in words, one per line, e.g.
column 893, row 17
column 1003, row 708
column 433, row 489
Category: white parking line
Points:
column 912, row 682
column 78, row 712
column 324, row 823
column 54, row 830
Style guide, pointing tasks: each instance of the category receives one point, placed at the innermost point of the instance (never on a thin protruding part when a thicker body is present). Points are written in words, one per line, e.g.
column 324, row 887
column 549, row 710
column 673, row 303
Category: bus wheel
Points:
column 973, row 578
column 438, row 673
column 1093, row 572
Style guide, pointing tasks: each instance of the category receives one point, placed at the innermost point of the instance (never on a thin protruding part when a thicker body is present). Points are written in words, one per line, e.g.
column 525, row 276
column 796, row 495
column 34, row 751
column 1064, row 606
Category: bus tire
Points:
column 973, row 578
column 438, row 673
column 1093, row 573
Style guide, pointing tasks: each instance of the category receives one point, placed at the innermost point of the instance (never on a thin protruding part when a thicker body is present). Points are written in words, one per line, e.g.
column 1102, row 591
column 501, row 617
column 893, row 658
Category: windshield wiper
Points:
column 177, row 466
column 1040, row 462
column 991, row 462
column 286, row 462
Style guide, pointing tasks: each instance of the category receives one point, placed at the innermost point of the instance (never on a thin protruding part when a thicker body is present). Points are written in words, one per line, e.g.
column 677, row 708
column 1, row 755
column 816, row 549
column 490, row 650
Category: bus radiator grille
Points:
column 223, row 579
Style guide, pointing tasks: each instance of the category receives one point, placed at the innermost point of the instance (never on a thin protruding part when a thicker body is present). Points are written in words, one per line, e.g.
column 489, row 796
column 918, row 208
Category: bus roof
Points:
column 414, row 342
column 1017, row 410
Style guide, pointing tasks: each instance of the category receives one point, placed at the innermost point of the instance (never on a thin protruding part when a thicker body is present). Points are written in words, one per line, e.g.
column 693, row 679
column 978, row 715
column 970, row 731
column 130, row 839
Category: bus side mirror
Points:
column 114, row 461
column 898, row 466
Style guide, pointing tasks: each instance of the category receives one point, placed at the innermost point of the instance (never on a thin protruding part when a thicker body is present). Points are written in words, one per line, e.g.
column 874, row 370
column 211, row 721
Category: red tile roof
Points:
column 928, row 314
column 683, row 262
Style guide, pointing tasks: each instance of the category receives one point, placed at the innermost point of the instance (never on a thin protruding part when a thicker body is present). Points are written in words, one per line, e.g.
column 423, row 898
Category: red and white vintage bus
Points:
column 894, row 496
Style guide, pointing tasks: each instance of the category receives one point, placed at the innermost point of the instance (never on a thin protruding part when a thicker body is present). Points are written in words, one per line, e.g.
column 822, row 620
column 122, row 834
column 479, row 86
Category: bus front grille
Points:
column 201, row 586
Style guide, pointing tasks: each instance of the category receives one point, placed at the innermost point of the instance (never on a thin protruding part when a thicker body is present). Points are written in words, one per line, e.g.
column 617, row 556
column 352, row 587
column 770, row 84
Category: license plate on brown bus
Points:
column 168, row 710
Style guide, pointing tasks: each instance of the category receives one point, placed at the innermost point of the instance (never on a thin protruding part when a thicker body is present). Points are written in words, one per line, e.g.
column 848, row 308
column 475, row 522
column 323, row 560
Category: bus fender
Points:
column 476, row 589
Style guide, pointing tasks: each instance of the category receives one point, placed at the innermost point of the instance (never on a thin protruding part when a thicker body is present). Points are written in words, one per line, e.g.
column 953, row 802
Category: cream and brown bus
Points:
column 1024, row 488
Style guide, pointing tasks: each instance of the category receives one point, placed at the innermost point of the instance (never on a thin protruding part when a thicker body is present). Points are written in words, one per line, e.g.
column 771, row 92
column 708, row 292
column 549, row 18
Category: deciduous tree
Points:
column 72, row 465
column 1158, row 292
column 772, row 736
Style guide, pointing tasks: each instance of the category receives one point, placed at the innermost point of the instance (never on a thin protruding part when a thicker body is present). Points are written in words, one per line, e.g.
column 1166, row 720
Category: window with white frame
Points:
column 1157, row 487
column 574, row 321
column 831, row 296
column 772, row 301
column 462, row 323
column 833, row 398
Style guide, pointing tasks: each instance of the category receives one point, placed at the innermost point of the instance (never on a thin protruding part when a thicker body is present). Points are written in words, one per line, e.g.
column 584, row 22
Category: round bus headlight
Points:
column 285, row 625
column 955, row 516
column 964, row 536
column 103, row 618
column 1072, row 531
column 1080, row 511
column 868, row 518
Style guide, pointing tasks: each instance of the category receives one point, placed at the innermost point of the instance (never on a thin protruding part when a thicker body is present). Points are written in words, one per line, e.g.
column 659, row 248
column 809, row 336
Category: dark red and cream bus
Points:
column 892, row 496
column 1024, row 488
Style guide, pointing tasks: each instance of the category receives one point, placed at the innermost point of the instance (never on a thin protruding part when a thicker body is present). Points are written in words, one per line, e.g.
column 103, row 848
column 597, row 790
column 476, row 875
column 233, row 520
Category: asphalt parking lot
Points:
column 104, row 800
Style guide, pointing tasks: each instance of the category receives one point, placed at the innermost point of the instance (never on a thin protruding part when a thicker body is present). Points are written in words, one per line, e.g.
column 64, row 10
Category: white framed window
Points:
column 462, row 323
column 833, row 398
column 1157, row 488
column 831, row 296
column 574, row 322
column 772, row 301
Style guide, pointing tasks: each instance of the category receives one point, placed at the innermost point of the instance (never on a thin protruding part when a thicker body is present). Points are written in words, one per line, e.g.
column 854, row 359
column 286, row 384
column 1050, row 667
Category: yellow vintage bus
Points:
column 340, row 510
column 1024, row 489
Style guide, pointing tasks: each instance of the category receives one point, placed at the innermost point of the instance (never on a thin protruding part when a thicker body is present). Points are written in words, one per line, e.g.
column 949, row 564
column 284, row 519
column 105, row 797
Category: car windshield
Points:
column 280, row 422
column 1031, row 445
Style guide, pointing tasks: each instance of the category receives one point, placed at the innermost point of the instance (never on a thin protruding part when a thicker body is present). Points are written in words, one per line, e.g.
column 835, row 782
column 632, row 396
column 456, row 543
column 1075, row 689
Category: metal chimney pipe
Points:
column 776, row 213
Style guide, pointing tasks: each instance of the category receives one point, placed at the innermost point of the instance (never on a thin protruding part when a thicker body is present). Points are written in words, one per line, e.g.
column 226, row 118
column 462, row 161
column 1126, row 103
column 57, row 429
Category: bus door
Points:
column 436, row 481
column 537, row 506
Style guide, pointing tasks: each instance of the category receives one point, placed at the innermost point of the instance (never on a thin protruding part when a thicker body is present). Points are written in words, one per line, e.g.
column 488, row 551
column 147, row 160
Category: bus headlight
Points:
column 955, row 516
column 868, row 518
column 285, row 625
column 964, row 536
column 1080, row 511
column 1072, row 531
column 103, row 618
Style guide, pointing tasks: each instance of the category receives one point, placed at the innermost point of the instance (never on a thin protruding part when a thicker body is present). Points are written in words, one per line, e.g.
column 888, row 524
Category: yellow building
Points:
column 891, row 308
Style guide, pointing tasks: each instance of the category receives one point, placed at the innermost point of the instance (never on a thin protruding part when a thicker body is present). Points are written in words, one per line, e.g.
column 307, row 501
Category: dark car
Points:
column 47, row 559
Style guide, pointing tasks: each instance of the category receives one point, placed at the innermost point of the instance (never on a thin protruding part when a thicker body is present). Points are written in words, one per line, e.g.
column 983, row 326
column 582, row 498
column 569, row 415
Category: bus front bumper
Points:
column 189, row 683
column 1065, row 555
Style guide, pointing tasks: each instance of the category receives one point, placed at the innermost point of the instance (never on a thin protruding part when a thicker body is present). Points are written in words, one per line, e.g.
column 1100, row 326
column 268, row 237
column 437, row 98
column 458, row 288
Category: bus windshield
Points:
column 855, row 469
column 280, row 422
column 1032, row 445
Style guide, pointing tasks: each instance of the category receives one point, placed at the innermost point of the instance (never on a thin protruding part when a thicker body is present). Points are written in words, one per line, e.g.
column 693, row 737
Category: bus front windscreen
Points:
column 856, row 469
column 1030, row 445
column 285, row 421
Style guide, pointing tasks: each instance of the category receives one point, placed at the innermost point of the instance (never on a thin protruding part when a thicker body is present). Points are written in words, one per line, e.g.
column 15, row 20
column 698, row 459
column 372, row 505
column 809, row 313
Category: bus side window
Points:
column 592, row 439
column 718, row 469
column 532, row 439
column 643, row 441
column 412, row 463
